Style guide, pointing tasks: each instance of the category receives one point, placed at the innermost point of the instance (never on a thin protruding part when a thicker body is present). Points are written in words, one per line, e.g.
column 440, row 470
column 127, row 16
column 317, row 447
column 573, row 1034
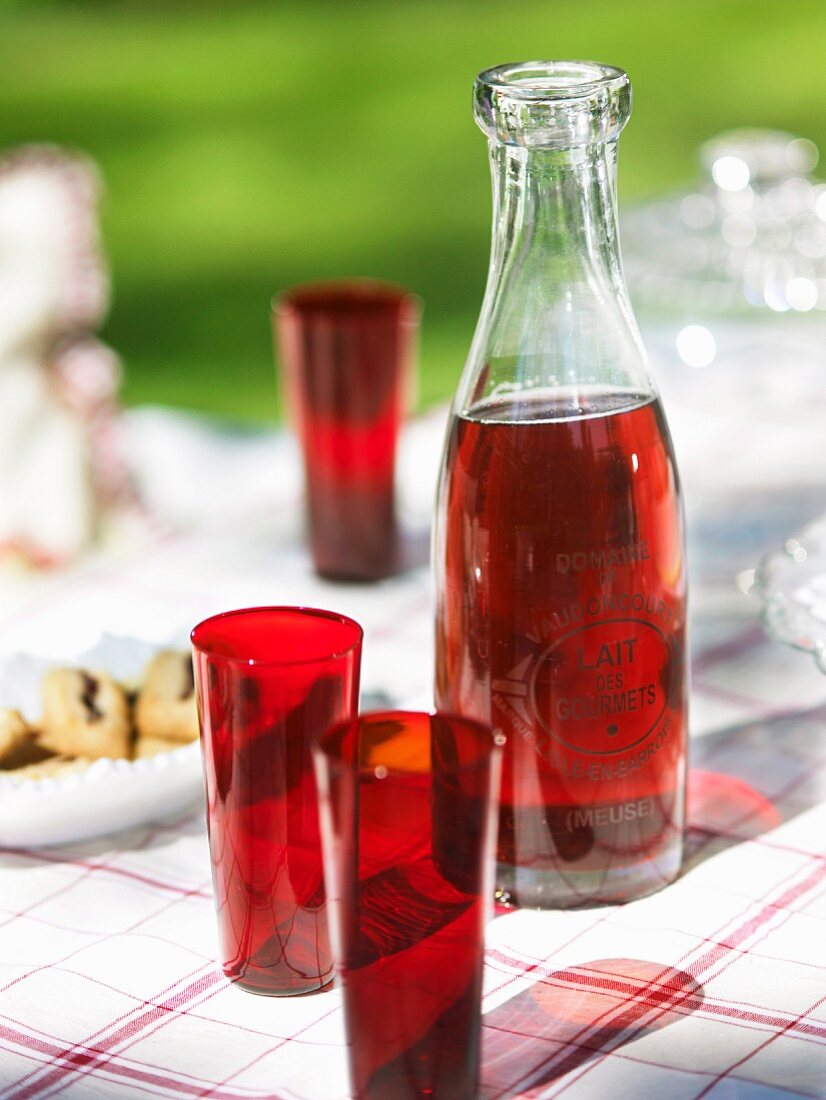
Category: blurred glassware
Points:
column 728, row 281
column 751, row 236
column 347, row 349
column 791, row 585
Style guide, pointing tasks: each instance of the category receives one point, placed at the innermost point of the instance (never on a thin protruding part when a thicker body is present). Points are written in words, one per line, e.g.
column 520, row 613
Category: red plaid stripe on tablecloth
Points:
column 715, row 987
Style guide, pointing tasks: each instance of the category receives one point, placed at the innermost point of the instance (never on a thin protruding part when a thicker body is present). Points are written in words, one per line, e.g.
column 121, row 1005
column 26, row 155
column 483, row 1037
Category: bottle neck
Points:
column 556, row 208
column 556, row 311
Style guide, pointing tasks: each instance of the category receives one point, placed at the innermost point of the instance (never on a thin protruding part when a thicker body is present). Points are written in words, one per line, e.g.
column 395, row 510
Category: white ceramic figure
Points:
column 59, row 466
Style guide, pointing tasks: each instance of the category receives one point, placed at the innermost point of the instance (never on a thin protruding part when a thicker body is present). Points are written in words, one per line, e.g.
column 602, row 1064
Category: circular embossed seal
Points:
column 603, row 688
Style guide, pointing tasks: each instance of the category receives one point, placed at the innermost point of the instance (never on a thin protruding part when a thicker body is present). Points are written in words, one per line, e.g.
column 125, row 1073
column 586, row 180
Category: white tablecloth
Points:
column 713, row 987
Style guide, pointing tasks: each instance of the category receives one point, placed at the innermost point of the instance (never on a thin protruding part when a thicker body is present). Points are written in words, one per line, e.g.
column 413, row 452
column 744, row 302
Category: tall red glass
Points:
column 346, row 350
column 268, row 680
column 408, row 818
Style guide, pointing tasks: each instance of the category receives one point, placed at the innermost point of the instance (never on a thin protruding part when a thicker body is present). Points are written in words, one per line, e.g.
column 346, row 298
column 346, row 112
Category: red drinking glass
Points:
column 346, row 350
column 408, row 821
column 267, row 680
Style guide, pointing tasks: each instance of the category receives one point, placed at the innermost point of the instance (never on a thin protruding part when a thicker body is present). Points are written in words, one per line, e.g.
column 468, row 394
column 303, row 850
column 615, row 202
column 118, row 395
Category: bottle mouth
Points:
column 552, row 103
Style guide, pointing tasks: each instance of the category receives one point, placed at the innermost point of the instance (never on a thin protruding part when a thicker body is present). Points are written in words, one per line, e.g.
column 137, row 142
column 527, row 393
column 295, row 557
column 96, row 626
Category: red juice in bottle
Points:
column 561, row 622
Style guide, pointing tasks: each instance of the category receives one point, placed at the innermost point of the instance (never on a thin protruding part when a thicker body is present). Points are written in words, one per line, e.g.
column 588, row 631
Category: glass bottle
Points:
column 559, row 549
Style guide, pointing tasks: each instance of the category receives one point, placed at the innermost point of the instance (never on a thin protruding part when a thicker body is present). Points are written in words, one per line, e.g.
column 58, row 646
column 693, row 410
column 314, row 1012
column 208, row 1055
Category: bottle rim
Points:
column 552, row 104
column 553, row 79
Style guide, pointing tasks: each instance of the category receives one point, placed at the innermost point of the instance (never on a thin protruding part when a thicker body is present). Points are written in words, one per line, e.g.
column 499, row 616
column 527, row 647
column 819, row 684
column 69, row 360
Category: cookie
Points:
column 151, row 746
column 84, row 714
column 166, row 704
column 19, row 742
column 14, row 734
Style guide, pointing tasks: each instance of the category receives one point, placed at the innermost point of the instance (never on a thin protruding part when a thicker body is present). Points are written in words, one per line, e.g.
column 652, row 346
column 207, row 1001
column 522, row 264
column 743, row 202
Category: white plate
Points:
column 107, row 796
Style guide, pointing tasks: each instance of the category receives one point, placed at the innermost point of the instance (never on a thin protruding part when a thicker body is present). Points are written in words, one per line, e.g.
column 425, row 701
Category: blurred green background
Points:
column 247, row 146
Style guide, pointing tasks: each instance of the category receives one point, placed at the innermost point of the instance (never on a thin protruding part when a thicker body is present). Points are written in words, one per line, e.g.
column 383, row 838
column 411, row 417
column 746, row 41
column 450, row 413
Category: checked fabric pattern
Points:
column 714, row 987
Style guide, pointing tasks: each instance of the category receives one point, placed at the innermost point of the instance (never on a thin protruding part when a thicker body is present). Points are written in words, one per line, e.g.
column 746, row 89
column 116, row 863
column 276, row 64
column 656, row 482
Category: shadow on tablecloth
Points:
column 749, row 779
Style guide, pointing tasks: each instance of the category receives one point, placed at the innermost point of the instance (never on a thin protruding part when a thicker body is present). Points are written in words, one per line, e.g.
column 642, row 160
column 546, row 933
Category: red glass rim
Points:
column 262, row 636
column 329, row 743
column 345, row 299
